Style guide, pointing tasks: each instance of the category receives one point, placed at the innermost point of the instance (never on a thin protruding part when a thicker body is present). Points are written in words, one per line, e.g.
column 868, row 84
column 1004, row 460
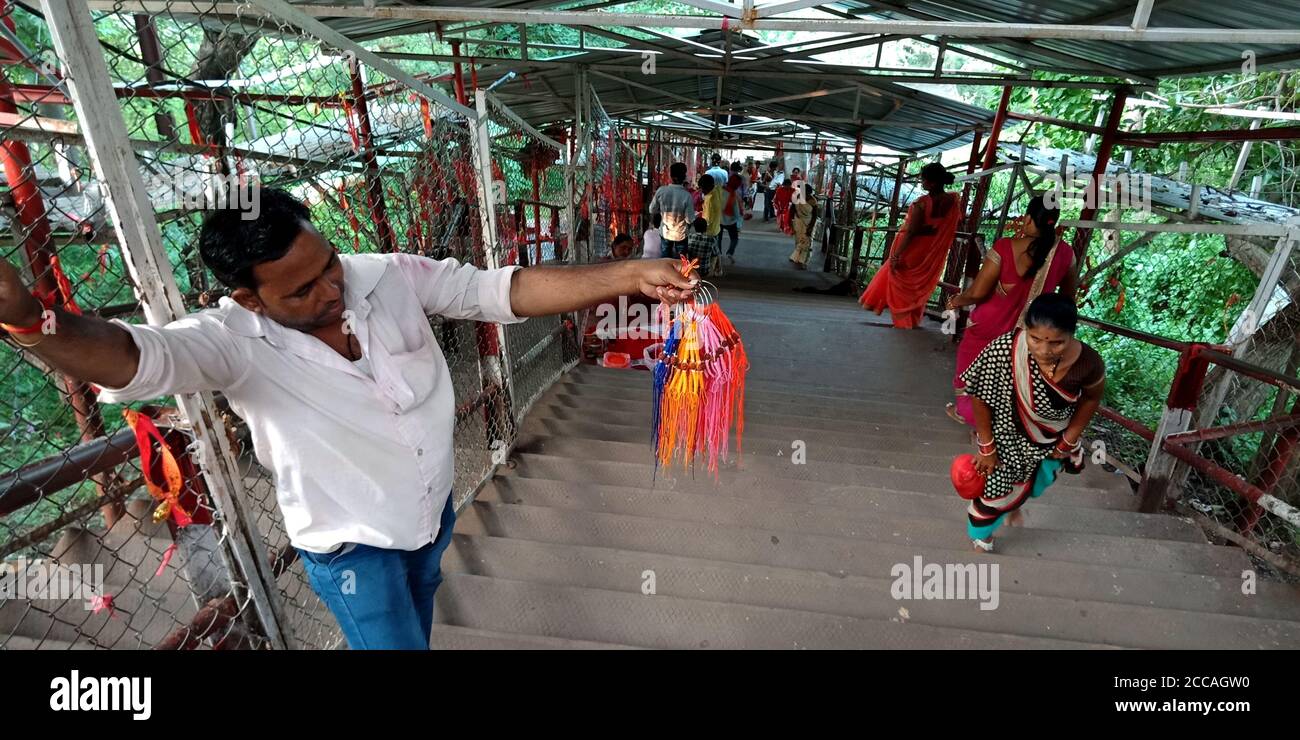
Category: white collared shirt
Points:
column 355, row 458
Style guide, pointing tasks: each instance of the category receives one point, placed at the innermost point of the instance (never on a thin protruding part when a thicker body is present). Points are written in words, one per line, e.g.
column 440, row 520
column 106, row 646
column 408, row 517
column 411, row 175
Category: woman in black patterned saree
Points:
column 1034, row 391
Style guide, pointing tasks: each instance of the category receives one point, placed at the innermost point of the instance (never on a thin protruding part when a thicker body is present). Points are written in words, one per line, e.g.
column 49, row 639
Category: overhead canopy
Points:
column 707, row 74
column 1140, row 41
column 1135, row 59
column 888, row 115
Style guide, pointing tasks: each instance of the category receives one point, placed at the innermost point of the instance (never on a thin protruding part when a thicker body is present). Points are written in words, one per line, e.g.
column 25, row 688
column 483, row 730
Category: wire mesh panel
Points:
column 532, row 172
column 146, row 532
column 1264, row 335
column 1129, row 280
column 614, row 206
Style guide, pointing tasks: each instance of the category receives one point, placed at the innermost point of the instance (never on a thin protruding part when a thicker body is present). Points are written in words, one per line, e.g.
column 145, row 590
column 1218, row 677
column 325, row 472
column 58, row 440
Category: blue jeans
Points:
column 733, row 233
column 670, row 248
column 382, row 599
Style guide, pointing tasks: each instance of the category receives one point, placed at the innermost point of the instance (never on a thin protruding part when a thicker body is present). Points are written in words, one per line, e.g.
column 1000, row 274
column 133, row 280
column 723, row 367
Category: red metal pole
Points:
column 1279, row 457
column 1184, row 393
column 29, row 207
column 990, row 157
column 374, row 185
column 1136, row 427
column 537, row 215
column 152, row 56
column 459, row 78
column 1099, row 172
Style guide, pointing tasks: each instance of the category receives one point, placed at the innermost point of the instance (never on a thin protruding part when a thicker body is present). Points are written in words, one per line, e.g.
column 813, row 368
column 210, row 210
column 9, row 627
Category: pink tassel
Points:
column 166, row 559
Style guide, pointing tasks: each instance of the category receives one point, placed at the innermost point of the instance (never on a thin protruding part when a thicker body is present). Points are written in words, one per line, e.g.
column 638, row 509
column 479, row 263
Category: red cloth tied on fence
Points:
column 168, row 491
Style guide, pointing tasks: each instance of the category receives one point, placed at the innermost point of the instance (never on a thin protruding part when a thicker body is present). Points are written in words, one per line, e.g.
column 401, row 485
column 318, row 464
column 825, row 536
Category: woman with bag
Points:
column 1033, row 391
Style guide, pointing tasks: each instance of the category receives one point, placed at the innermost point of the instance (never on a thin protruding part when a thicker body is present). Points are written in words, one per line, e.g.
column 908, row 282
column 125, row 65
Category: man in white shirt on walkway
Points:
column 719, row 173
column 676, row 208
column 331, row 361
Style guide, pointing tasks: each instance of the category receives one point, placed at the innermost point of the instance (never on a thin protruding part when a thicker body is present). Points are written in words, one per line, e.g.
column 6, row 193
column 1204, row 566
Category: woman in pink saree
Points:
column 906, row 281
column 1015, row 272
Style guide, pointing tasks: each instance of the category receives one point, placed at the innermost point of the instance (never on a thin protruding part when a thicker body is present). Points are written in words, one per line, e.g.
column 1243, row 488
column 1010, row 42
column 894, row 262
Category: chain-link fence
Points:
column 166, row 566
column 385, row 163
column 614, row 206
column 1227, row 434
column 534, row 167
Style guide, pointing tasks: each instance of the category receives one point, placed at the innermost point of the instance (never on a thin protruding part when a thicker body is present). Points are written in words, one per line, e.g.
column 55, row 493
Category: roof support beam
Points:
column 589, row 20
column 658, row 91
column 788, row 7
column 790, row 73
column 881, row 122
column 729, row 11
column 857, row 42
column 1142, row 14
column 635, row 43
column 787, row 98
column 1029, row 45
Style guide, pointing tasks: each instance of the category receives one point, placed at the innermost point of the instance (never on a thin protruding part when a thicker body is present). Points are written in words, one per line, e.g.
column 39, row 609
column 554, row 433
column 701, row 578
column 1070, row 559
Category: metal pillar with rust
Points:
column 959, row 262
column 990, row 158
column 459, row 77
column 1093, row 190
column 37, row 242
column 851, row 192
column 151, row 54
column 374, row 183
column 1177, row 417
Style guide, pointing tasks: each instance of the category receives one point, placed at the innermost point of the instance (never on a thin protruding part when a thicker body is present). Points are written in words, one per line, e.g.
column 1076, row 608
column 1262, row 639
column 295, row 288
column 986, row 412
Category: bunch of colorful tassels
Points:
column 699, row 382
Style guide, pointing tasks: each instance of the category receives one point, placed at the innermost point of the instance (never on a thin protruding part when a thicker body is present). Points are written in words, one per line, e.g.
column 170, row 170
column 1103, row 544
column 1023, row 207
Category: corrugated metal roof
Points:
column 1138, row 59
column 1144, row 59
column 889, row 101
column 877, row 100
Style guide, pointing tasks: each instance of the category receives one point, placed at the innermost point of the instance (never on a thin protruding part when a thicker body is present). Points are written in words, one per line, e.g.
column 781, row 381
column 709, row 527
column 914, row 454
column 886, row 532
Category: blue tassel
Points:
column 661, row 383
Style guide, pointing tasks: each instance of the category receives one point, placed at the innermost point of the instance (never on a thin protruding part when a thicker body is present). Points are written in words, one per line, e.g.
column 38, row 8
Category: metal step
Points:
column 821, row 477
column 862, row 597
column 451, row 637
column 761, row 454
column 757, row 507
column 669, row 622
column 868, row 553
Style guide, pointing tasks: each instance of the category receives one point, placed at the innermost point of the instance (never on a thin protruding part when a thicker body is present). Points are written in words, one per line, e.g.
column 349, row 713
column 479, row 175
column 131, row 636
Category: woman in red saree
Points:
column 906, row 281
column 1014, row 273
column 781, row 203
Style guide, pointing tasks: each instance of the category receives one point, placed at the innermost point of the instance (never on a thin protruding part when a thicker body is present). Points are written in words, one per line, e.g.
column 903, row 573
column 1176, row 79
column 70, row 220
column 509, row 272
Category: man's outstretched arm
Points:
column 546, row 290
column 190, row 354
column 85, row 347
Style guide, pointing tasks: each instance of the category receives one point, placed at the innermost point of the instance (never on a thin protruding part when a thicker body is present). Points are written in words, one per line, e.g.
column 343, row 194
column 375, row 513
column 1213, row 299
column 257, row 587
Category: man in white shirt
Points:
column 675, row 208
column 332, row 363
column 651, row 240
column 719, row 173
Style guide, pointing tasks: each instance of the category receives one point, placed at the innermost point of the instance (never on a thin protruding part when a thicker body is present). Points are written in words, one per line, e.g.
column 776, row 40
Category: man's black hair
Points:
column 236, row 238
column 677, row 172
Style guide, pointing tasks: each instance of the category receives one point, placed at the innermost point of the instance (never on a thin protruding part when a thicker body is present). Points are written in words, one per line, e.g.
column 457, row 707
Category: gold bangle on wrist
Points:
column 14, row 338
